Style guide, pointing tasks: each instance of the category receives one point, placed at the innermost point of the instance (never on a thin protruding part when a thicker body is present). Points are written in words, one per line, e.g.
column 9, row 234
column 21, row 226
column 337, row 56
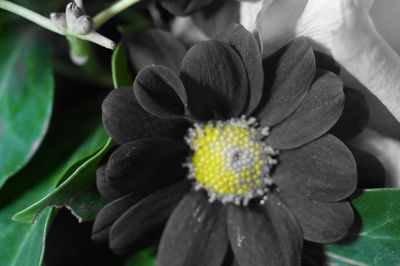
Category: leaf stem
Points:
column 111, row 11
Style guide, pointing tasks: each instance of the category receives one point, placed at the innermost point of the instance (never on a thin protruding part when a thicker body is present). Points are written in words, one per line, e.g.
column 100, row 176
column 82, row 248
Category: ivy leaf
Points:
column 26, row 97
column 72, row 136
column 378, row 242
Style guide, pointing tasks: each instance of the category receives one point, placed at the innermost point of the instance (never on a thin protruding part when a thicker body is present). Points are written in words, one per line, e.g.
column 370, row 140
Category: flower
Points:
column 386, row 149
column 231, row 151
column 345, row 29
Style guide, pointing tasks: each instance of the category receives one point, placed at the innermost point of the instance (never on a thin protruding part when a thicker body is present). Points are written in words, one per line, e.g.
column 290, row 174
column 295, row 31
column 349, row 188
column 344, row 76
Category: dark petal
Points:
column 287, row 81
column 217, row 16
column 154, row 46
column 354, row 118
column 147, row 215
column 215, row 80
column 145, row 165
column 322, row 222
column 253, row 238
column 160, row 92
column 183, row 7
column 371, row 173
column 102, row 184
column 125, row 120
column 246, row 45
column 195, row 233
column 287, row 228
column 326, row 62
column 318, row 112
column 322, row 170
column 110, row 213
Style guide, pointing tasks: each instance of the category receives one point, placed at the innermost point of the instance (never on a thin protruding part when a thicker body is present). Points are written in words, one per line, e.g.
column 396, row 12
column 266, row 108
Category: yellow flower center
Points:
column 231, row 160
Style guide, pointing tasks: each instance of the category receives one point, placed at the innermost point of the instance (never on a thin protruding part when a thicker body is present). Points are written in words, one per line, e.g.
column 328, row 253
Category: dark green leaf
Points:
column 71, row 137
column 78, row 177
column 86, row 204
column 119, row 66
column 378, row 242
column 22, row 244
column 26, row 97
column 119, row 62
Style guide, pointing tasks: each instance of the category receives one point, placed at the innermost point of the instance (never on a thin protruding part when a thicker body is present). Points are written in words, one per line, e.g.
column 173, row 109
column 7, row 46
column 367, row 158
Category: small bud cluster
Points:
column 231, row 160
column 73, row 21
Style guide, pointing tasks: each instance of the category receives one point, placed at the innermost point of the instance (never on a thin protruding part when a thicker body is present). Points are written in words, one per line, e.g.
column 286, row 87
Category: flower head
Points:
column 231, row 152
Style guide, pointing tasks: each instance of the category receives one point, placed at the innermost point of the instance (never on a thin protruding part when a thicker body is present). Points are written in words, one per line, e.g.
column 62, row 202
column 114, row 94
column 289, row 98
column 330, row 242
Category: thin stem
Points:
column 111, row 11
column 47, row 24
column 98, row 39
column 30, row 15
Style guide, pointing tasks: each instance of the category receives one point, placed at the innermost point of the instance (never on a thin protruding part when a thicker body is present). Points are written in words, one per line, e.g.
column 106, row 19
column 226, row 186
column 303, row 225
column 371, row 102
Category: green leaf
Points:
column 78, row 177
column 26, row 97
column 22, row 244
column 119, row 61
column 119, row 66
column 147, row 257
column 86, row 204
column 72, row 136
column 378, row 242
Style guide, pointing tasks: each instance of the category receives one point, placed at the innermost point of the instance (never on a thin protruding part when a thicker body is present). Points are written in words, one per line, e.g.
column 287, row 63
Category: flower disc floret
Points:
column 231, row 160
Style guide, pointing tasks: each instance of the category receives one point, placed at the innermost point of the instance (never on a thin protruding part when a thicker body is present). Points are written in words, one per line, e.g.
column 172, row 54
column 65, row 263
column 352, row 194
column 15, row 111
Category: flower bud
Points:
column 83, row 25
column 59, row 20
column 72, row 13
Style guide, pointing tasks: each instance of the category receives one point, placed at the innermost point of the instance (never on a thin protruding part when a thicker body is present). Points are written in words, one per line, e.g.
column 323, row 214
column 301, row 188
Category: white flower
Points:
column 350, row 30
column 342, row 28
column 386, row 150
column 275, row 20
